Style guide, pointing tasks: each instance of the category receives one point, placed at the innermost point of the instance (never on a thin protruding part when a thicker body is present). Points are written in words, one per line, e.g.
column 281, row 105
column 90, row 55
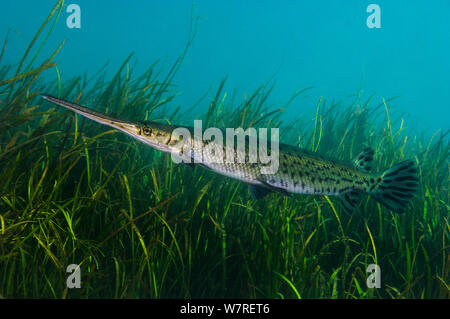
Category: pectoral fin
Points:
column 190, row 165
column 274, row 188
column 258, row 192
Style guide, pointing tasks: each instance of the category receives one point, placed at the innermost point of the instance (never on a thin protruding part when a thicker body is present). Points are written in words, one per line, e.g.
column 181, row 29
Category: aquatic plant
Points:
column 140, row 226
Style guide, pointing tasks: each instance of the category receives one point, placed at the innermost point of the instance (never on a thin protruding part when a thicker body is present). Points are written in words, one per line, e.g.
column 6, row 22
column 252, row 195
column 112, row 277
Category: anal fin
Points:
column 350, row 200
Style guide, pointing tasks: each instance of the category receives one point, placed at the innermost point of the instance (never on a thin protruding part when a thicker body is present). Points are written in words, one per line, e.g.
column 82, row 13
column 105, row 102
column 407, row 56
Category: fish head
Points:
column 157, row 135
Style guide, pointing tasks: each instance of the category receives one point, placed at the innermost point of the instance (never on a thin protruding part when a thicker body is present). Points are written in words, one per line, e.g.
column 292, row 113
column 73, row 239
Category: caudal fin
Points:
column 398, row 186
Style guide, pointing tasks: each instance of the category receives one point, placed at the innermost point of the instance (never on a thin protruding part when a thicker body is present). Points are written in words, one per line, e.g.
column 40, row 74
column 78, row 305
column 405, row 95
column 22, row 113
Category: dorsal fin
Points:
column 364, row 159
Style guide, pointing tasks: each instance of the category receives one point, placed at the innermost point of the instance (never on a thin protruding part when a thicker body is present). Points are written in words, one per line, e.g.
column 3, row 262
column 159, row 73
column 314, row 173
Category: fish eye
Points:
column 147, row 130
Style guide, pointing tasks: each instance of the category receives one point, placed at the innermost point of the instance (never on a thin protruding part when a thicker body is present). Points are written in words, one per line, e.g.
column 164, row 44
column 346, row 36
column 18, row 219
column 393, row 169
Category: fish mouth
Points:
column 131, row 128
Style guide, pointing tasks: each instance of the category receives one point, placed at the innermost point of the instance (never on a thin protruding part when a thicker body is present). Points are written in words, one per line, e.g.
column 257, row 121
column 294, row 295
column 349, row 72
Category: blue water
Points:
column 325, row 44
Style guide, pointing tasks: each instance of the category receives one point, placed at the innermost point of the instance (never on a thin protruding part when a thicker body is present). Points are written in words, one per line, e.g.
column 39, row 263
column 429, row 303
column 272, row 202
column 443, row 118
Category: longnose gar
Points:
column 299, row 171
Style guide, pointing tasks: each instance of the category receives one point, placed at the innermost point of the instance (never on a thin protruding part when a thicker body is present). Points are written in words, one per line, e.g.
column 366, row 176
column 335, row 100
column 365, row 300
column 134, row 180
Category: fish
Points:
column 299, row 171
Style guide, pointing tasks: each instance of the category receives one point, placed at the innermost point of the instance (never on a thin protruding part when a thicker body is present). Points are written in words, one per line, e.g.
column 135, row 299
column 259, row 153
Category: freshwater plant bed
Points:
column 140, row 226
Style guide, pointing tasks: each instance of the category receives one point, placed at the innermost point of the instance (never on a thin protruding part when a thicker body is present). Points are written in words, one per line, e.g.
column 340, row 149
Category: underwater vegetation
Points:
column 140, row 226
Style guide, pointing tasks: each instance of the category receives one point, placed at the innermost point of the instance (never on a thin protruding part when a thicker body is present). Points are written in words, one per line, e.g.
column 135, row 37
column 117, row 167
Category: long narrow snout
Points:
column 130, row 128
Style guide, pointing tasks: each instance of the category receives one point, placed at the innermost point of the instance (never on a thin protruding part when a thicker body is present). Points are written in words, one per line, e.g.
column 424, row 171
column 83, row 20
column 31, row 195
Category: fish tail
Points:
column 397, row 186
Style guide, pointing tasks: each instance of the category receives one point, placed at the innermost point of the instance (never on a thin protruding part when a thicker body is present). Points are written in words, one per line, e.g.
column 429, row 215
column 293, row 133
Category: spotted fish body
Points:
column 299, row 171
column 304, row 172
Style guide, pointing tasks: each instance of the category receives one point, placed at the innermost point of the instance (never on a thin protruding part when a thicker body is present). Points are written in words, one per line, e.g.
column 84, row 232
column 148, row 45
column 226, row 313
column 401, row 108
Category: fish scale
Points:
column 306, row 173
column 299, row 171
